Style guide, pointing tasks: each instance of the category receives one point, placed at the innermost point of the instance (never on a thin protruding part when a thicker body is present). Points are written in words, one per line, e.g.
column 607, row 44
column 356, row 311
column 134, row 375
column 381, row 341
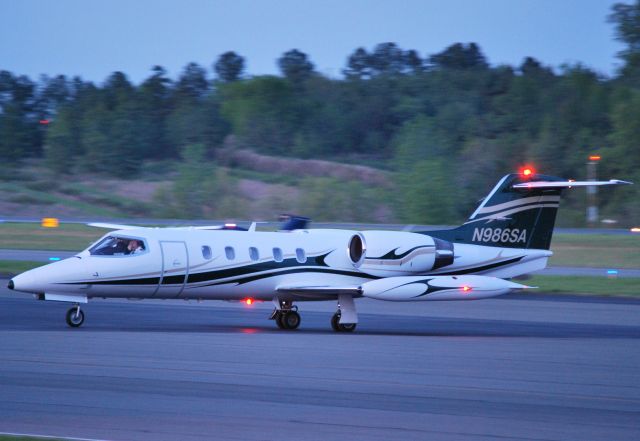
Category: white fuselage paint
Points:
column 173, row 253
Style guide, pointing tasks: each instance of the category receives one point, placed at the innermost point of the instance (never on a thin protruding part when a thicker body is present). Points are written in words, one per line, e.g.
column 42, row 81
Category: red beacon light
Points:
column 466, row 288
column 527, row 172
column 249, row 301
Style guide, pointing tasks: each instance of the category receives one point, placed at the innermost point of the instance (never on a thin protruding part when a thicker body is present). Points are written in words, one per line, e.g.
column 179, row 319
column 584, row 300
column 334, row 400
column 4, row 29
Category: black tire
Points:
column 75, row 320
column 279, row 321
column 291, row 320
column 335, row 322
column 348, row 327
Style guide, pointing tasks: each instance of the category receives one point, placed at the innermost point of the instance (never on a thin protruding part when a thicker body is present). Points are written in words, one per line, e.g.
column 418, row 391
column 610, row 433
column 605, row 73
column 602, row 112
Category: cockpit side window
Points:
column 118, row 246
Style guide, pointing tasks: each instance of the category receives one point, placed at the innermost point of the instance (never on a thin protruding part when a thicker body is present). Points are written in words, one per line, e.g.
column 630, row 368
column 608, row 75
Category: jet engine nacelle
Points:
column 405, row 289
column 349, row 247
column 399, row 253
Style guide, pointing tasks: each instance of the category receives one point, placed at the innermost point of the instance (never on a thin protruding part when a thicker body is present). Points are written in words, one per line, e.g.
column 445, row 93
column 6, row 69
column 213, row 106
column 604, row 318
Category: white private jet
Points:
column 508, row 235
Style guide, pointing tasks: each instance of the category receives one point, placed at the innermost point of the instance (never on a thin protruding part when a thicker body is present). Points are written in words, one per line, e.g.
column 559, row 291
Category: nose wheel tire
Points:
column 288, row 320
column 75, row 317
column 344, row 327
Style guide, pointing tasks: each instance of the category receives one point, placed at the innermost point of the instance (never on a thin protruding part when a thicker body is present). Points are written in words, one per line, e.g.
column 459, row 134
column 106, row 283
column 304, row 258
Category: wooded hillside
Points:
column 441, row 129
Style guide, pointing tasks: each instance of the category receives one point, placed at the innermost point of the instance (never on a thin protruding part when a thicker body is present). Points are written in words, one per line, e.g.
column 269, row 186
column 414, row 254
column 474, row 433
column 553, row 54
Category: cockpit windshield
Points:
column 118, row 246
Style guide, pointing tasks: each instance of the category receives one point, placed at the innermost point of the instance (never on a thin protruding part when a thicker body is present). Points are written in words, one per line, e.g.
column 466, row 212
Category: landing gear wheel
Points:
column 290, row 320
column 278, row 319
column 335, row 322
column 75, row 317
column 347, row 327
column 336, row 326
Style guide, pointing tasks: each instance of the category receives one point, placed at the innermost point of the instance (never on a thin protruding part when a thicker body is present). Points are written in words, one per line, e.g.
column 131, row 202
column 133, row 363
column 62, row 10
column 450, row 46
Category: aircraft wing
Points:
column 320, row 291
column 204, row 227
column 569, row 184
column 114, row 226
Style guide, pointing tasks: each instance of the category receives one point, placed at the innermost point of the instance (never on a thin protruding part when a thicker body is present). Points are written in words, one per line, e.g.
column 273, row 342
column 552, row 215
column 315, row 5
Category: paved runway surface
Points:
column 517, row 368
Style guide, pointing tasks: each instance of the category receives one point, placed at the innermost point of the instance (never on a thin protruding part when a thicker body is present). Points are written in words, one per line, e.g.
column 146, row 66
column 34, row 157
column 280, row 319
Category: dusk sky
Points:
column 93, row 39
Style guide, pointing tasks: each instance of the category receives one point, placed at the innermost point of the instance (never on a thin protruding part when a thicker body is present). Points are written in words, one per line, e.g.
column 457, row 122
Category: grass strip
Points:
column 10, row 268
column 601, row 286
column 596, row 250
column 31, row 236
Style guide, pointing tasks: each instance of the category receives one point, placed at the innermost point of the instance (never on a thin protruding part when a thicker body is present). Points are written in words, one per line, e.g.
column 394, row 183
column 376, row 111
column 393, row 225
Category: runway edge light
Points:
column 50, row 222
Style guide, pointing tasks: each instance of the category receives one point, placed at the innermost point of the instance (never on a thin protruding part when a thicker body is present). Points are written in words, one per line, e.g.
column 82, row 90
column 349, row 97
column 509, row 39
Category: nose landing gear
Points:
column 75, row 317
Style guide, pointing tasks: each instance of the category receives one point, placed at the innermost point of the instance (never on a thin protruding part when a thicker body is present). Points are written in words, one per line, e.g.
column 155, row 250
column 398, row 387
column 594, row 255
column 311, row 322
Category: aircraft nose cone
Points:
column 10, row 285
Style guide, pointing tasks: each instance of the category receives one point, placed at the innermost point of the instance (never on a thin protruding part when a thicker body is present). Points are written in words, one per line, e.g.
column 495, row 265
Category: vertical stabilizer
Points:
column 511, row 217
column 520, row 212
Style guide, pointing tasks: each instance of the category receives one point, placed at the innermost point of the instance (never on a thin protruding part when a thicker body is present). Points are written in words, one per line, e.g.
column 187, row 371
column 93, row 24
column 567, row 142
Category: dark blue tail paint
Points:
column 511, row 218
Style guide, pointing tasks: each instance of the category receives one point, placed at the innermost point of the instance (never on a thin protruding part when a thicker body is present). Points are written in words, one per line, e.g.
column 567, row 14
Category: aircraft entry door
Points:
column 175, row 269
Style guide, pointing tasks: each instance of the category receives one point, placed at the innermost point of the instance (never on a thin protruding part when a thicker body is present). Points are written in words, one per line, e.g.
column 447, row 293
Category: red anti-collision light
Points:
column 527, row 172
column 249, row 301
column 466, row 288
column 594, row 158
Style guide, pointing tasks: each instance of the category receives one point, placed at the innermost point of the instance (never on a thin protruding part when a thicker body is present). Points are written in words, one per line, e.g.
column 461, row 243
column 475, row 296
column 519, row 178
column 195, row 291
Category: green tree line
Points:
column 445, row 126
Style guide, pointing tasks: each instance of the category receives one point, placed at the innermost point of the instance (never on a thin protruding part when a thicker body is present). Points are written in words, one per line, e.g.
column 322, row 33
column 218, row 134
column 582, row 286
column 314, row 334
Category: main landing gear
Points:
column 75, row 317
column 344, row 320
column 341, row 327
column 286, row 316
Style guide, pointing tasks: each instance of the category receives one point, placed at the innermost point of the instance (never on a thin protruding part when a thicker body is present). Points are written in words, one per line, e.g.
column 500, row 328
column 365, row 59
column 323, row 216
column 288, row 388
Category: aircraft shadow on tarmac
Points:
column 37, row 316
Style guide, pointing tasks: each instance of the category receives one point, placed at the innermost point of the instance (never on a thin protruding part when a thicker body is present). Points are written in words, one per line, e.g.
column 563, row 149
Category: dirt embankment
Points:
column 301, row 167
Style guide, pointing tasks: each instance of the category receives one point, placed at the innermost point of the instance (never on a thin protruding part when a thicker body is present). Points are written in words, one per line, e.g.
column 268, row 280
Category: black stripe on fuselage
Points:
column 481, row 268
column 292, row 271
column 173, row 280
column 258, row 274
column 142, row 281
column 271, row 265
column 391, row 255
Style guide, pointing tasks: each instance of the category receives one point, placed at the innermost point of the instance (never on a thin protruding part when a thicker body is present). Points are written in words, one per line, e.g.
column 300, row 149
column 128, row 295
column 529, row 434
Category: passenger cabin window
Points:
column 300, row 255
column 277, row 255
column 253, row 253
column 230, row 253
column 118, row 246
column 206, row 252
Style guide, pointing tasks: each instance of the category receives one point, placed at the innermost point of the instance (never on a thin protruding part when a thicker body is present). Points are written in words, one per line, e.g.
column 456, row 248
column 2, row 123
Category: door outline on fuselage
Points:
column 162, row 271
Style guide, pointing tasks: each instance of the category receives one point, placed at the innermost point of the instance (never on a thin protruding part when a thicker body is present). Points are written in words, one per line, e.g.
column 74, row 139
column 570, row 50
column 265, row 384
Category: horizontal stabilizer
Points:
column 569, row 184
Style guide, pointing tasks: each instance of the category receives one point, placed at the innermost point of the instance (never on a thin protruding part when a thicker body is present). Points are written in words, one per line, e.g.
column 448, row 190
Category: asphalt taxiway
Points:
column 521, row 367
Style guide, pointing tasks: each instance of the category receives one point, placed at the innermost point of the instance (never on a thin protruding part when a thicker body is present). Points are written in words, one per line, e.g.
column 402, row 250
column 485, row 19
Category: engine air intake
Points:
column 356, row 250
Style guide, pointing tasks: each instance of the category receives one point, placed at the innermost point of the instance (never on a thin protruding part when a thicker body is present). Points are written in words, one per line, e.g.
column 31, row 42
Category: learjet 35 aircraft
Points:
column 508, row 235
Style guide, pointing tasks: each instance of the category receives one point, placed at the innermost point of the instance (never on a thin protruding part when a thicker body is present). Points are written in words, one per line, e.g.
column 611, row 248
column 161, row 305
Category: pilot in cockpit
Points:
column 119, row 247
column 135, row 246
